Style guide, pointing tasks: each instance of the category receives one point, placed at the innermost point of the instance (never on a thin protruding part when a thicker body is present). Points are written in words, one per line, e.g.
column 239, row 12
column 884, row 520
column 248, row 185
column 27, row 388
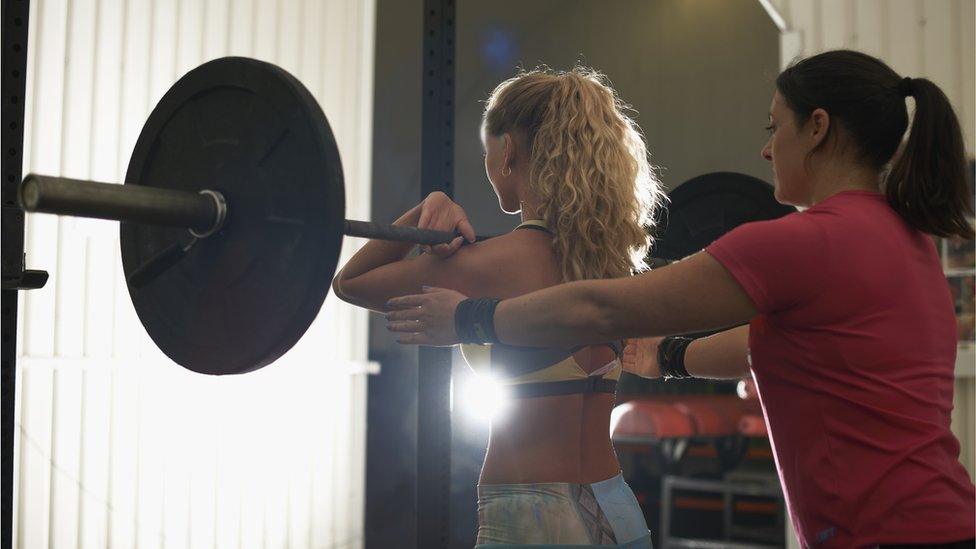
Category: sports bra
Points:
column 535, row 372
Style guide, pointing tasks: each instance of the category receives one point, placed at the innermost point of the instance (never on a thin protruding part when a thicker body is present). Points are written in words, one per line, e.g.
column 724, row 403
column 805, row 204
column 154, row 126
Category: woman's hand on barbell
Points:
column 438, row 212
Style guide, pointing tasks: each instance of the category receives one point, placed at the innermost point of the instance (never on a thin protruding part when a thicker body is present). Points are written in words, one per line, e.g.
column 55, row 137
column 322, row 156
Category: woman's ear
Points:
column 819, row 126
column 508, row 151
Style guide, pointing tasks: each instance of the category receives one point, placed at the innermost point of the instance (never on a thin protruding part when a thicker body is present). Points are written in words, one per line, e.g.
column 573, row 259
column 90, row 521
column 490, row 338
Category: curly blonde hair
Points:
column 588, row 165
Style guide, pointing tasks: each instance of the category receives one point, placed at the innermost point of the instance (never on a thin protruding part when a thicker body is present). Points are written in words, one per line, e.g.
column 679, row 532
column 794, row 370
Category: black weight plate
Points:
column 708, row 206
column 240, row 298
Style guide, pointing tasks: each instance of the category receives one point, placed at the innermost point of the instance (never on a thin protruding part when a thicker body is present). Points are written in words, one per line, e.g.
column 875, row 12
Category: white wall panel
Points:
column 136, row 59
column 66, row 494
column 240, row 39
column 163, row 47
column 940, row 58
column 964, row 98
column 216, row 28
column 190, row 24
column 119, row 447
column 806, row 17
column 123, row 457
column 905, row 36
column 290, row 35
column 870, row 33
column 35, row 468
column 836, row 22
column 312, row 64
column 95, row 467
column 265, row 29
column 963, row 412
column 75, row 162
column 46, row 81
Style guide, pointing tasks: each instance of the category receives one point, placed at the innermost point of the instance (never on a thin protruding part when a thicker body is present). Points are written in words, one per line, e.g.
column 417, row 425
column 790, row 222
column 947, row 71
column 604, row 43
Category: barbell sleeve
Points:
column 368, row 229
column 135, row 203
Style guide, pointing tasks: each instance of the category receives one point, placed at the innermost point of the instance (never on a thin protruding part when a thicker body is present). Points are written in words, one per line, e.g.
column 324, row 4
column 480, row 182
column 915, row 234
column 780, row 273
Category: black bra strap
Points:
column 594, row 384
column 534, row 227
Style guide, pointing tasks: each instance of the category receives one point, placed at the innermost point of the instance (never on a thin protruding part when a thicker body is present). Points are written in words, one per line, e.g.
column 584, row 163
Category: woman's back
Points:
column 563, row 438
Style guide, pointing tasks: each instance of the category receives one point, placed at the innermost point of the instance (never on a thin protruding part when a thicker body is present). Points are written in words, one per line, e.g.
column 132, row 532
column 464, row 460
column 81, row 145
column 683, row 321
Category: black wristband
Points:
column 474, row 320
column 671, row 357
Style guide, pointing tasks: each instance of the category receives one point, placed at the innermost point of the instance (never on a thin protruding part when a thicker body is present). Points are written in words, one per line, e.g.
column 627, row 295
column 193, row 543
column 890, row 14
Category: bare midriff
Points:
column 552, row 439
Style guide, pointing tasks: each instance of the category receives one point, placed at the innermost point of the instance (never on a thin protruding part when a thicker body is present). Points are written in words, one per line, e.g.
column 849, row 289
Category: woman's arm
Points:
column 693, row 295
column 724, row 355
column 376, row 253
column 380, row 269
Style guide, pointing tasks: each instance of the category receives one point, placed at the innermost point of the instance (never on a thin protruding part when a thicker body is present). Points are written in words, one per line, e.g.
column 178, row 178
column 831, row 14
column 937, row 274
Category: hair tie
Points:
column 905, row 87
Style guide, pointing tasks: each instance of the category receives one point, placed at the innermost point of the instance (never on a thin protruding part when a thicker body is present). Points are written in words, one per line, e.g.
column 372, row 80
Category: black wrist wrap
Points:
column 474, row 320
column 671, row 357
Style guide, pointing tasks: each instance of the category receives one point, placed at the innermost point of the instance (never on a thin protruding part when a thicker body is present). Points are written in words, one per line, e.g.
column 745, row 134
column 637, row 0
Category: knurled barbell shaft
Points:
column 368, row 229
column 170, row 208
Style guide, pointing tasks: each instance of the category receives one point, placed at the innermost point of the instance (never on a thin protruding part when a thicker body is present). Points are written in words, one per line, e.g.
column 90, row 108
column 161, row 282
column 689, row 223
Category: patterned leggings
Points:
column 560, row 514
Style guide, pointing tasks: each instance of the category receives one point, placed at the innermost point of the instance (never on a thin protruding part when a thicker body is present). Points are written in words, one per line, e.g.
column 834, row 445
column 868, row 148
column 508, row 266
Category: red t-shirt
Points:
column 853, row 352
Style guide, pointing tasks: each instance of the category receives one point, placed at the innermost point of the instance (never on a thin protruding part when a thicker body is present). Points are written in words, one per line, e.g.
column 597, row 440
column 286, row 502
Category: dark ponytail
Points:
column 926, row 183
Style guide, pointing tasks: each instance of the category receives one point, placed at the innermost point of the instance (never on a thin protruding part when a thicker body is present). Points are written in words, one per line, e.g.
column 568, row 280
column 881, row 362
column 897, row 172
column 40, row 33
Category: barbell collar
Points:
column 220, row 205
column 202, row 213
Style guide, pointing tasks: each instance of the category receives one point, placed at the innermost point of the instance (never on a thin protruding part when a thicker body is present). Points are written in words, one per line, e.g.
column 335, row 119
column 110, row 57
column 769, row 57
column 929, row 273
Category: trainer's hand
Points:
column 640, row 357
column 438, row 212
column 425, row 319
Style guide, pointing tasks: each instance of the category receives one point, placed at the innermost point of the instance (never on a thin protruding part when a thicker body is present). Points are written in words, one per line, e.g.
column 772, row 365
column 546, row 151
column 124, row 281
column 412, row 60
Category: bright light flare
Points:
column 485, row 397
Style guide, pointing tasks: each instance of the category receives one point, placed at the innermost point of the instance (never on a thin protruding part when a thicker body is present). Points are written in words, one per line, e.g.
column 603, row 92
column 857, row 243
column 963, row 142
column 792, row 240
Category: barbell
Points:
column 232, row 215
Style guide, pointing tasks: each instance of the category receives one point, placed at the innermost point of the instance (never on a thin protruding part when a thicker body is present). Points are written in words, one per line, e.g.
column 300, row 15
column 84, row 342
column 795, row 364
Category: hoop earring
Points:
column 509, row 171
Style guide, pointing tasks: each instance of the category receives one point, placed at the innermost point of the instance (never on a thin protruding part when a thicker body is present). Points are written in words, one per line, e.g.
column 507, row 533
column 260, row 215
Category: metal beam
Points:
column 14, row 60
column 434, row 375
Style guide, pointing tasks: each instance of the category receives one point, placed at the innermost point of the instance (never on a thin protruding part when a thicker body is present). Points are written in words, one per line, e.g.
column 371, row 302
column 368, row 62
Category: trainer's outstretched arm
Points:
column 724, row 355
column 689, row 296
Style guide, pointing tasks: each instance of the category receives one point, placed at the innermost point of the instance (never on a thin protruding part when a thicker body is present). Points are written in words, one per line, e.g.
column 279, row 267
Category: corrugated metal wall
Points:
column 119, row 447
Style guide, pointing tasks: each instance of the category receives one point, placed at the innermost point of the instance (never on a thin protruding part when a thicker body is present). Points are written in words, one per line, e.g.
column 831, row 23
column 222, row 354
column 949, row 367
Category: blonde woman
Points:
column 559, row 150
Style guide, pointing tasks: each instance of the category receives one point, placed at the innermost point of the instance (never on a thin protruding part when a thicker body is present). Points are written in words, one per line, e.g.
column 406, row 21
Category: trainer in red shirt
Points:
column 844, row 306
column 853, row 352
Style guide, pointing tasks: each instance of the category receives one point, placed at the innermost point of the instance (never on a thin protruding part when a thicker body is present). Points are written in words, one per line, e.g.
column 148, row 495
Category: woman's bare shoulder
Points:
column 514, row 263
